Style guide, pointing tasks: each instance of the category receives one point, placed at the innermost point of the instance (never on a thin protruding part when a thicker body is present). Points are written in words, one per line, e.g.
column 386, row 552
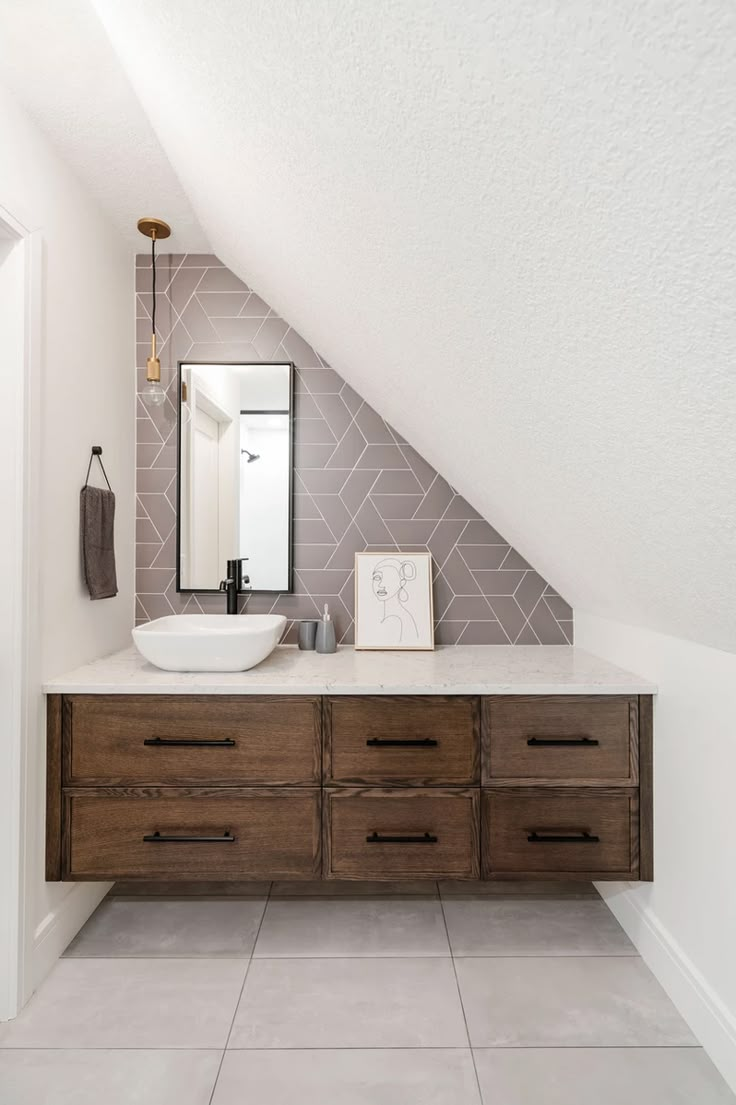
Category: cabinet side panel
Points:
column 53, row 786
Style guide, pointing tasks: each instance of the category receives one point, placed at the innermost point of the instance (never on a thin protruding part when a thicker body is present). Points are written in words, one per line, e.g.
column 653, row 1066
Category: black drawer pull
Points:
column 425, row 742
column 562, row 742
column 379, row 838
column 165, row 838
column 540, row 836
column 175, row 742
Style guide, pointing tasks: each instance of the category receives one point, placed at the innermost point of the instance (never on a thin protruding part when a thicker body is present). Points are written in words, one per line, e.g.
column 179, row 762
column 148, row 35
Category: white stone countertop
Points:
column 456, row 669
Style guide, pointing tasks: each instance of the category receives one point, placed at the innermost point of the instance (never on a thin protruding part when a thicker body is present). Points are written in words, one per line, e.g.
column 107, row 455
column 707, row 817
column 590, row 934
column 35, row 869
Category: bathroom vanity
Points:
column 465, row 763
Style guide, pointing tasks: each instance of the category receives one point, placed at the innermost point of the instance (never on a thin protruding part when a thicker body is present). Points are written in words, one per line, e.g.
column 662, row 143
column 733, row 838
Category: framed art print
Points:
column 393, row 600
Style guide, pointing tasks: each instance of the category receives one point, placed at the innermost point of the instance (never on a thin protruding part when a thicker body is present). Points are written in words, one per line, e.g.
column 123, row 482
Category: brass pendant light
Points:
column 153, row 395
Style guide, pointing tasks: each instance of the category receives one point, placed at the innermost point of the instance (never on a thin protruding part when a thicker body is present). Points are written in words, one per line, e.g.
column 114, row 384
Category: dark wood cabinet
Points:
column 237, row 787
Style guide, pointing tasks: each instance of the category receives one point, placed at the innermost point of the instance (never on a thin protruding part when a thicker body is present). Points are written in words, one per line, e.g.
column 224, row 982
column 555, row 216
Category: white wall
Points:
column 86, row 398
column 684, row 923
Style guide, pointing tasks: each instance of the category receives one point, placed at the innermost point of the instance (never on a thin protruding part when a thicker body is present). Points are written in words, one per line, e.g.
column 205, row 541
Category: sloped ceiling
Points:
column 510, row 226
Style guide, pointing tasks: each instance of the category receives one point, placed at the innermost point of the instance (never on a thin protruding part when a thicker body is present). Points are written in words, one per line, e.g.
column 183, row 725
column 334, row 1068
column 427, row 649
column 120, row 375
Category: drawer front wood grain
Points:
column 432, row 740
column 397, row 834
column 170, row 739
column 589, row 739
column 207, row 834
column 556, row 833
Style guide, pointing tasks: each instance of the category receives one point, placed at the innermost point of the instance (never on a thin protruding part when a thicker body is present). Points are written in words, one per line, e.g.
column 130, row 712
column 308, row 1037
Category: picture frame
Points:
column 393, row 601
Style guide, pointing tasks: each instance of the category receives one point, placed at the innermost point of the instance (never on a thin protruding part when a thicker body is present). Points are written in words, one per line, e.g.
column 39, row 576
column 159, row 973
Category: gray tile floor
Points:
column 350, row 994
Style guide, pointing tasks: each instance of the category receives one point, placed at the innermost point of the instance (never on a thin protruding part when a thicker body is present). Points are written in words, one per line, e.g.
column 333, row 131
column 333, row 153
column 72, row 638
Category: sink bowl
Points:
column 209, row 642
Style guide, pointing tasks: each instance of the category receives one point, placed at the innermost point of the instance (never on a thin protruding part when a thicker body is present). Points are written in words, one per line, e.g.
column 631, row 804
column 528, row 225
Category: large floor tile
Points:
column 348, row 1077
column 331, row 1003
column 151, row 927
column 352, row 927
column 107, row 1077
column 130, row 1003
column 600, row 1076
column 335, row 888
column 517, row 888
column 534, row 926
column 558, row 1002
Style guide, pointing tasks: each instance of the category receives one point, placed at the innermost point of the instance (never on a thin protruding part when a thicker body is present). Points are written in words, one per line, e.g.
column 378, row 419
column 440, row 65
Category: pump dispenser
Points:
column 326, row 633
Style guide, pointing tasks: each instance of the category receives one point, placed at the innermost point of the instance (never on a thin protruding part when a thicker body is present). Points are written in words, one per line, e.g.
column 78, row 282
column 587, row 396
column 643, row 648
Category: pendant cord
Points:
column 153, row 267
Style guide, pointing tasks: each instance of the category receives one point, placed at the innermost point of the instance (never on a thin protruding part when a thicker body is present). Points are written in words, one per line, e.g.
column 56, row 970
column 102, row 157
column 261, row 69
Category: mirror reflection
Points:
column 235, row 463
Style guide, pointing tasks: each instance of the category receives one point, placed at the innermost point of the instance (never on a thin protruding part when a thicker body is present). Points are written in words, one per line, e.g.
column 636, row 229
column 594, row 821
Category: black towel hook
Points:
column 96, row 452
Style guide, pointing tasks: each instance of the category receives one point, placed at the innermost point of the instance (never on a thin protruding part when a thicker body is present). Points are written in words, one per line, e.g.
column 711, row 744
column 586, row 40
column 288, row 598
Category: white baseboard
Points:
column 706, row 1014
column 61, row 925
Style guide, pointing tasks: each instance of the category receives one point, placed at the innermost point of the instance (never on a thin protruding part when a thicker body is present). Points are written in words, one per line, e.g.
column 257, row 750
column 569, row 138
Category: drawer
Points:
column 398, row 834
column 554, row 832
column 387, row 740
column 591, row 739
column 165, row 740
column 235, row 834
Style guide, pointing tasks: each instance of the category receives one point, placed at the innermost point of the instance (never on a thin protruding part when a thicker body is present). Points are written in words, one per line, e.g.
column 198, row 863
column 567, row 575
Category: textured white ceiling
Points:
column 57, row 60
column 510, row 226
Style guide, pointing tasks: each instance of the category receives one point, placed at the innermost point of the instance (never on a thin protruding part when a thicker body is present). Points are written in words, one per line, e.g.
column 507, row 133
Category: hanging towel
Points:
column 97, row 533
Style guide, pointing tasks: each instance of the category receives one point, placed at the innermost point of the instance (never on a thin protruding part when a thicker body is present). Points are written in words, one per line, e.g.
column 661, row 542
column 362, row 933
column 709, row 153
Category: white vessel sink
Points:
column 209, row 642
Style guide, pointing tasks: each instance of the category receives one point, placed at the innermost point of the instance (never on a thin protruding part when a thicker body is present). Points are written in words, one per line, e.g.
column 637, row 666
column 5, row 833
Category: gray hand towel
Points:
column 97, row 533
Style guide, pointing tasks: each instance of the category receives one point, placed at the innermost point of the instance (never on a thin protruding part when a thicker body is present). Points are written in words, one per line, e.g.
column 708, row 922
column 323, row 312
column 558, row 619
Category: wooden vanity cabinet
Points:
column 238, row 787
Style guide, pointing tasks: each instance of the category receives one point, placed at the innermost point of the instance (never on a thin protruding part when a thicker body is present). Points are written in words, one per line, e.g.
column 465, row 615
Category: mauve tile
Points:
column 219, row 351
column 256, row 603
column 329, row 581
column 461, row 508
column 183, row 286
column 545, row 625
column 156, row 606
column 221, row 280
column 146, row 433
column 315, row 456
column 468, row 608
column 348, row 637
column 146, row 454
column 305, row 507
column 447, row 633
column 350, row 398
column 351, row 542
column 567, row 629
column 509, row 614
column 424, row 472
column 527, row 636
column 441, row 593
column 335, row 513
column 211, row 604
column 515, row 560
column 395, row 506
column 236, row 329
column 319, row 381
column 198, row 326
column 499, row 582
column 312, row 531
column 210, row 260
column 456, row 572
column 443, row 539
column 166, row 557
column 313, row 556
column 140, row 613
column 356, row 486
column 371, row 525
column 334, row 411
column 291, row 636
column 145, row 554
column 254, row 307
column 559, row 608
column 154, row 481
column 146, row 532
column 177, row 347
column 304, row 356
column 436, row 501
column 323, row 481
column 167, row 458
column 152, row 581
column 312, row 431
column 158, row 509
column 397, row 482
column 484, row 556
column 483, row 633
column 374, row 429
column 222, row 304
column 178, row 600
column 410, row 532
column 305, row 406
column 382, row 456
column 397, row 436
column 268, row 339
column 295, row 606
column 529, row 591
column 165, row 317
column 349, row 449
column 347, row 595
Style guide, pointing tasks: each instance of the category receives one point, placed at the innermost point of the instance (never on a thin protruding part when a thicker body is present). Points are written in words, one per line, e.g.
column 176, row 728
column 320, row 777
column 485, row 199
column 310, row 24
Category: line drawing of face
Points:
column 388, row 581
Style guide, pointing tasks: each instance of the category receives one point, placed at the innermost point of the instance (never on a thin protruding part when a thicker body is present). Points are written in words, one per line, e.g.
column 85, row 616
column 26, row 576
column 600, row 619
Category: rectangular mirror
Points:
column 235, row 474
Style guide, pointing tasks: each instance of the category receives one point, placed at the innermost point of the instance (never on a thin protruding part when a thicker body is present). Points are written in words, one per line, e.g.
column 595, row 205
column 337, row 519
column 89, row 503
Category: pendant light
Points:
column 153, row 395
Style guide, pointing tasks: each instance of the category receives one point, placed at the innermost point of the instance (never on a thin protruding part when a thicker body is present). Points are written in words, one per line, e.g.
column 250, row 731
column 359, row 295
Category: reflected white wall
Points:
column 264, row 500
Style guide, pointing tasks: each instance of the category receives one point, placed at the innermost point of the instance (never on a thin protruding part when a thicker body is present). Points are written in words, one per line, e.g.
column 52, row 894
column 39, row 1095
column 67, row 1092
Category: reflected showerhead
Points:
column 251, row 456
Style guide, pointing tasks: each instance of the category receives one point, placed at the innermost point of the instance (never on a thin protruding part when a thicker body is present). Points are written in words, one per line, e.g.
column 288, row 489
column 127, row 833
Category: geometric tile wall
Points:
column 358, row 485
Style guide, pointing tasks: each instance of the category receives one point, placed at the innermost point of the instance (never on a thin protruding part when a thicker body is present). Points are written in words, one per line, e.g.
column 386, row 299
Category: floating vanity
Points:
column 464, row 763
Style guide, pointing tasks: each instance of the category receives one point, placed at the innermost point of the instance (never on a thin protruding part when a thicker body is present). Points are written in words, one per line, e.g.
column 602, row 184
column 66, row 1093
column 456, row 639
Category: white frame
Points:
column 375, row 556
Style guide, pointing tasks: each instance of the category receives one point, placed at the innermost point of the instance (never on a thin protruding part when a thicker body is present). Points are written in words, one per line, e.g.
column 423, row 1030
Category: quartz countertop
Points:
column 456, row 669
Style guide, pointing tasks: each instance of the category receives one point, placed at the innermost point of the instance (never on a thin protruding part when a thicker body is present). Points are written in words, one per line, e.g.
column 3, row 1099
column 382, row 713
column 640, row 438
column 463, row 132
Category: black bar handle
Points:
column 380, row 838
column 562, row 742
column 540, row 836
column 166, row 838
column 175, row 742
column 378, row 742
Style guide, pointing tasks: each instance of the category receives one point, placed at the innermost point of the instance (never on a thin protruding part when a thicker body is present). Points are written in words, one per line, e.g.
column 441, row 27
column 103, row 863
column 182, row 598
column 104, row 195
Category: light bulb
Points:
column 153, row 395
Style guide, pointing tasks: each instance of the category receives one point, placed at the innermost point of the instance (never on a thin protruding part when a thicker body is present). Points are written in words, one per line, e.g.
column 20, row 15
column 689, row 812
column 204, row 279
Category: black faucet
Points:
column 234, row 583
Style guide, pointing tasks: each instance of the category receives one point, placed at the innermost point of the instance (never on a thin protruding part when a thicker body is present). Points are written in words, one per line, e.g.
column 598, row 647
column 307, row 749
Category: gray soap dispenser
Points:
column 326, row 633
